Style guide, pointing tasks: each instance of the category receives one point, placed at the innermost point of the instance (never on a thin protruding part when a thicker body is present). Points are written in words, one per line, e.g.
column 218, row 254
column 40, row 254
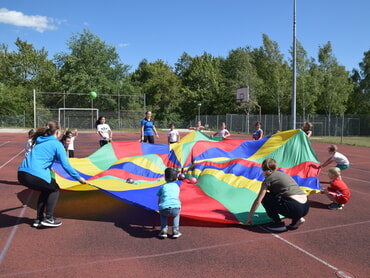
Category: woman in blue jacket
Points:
column 35, row 171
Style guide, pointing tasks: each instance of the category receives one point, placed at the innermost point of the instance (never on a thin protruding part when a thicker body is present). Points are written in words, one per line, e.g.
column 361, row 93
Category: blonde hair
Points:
column 335, row 171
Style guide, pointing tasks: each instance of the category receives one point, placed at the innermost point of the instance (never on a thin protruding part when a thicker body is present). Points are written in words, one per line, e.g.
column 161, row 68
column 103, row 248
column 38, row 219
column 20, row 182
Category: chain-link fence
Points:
column 347, row 125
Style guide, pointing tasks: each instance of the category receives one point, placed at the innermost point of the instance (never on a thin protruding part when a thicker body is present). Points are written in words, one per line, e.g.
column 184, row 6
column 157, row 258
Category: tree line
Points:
column 172, row 93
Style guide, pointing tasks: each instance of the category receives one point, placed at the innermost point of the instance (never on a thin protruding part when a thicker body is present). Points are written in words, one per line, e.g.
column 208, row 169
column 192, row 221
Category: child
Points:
column 340, row 159
column 198, row 126
column 148, row 128
column 338, row 191
column 222, row 132
column 104, row 131
column 71, row 146
column 307, row 128
column 29, row 144
column 173, row 135
column 258, row 132
column 169, row 203
column 65, row 142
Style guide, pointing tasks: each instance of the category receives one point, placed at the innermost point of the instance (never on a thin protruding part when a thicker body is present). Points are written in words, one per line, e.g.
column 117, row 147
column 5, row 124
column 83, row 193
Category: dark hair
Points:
column 68, row 132
column 98, row 121
column 170, row 175
column 269, row 164
column 49, row 129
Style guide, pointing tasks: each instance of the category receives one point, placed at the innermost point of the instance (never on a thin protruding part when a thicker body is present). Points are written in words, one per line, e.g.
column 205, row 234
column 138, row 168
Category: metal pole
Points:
column 294, row 88
column 34, row 109
column 199, row 105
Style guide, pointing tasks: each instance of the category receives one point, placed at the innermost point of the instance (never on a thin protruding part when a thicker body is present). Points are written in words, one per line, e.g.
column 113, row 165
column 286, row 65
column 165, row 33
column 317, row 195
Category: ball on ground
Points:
column 93, row 94
column 181, row 177
column 130, row 180
column 193, row 180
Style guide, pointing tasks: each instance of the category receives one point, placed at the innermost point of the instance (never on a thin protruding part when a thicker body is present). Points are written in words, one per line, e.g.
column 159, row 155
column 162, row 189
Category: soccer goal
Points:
column 81, row 118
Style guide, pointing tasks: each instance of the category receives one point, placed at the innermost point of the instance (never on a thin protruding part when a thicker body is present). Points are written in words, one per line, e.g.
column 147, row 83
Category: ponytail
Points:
column 49, row 129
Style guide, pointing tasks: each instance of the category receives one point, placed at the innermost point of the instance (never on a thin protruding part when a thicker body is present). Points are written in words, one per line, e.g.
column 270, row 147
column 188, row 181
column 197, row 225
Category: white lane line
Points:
column 6, row 163
column 170, row 253
column 10, row 238
column 4, row 143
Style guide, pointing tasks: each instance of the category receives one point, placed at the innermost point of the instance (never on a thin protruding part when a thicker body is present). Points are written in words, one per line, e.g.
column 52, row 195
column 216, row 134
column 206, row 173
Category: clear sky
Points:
column 164, row 29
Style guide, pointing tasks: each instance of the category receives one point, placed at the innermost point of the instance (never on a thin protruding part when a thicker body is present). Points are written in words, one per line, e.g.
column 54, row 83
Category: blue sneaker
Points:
column 335, row 206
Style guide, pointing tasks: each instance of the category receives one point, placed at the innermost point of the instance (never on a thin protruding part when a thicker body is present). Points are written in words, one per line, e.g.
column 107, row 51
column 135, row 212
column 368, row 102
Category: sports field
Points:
column 103, row 237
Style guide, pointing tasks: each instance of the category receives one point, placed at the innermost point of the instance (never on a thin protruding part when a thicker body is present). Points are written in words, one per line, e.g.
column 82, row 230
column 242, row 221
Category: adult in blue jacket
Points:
column 35, row 171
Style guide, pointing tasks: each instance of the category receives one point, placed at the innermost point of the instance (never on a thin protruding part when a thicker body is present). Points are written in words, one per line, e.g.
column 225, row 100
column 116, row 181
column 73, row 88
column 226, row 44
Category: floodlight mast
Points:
column 294, row 85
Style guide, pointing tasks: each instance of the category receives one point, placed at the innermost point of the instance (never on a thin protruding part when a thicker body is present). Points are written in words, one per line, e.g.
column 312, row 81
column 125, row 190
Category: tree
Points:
column 161, row 87
column 239, row 72
column 275, row 73
column 335, row 85
column 91, row 65
column 306, row 85
column 359, row 102
column 200, row 77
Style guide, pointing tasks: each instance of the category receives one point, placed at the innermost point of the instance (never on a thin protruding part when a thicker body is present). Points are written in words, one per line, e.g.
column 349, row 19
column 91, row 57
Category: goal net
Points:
column 81, row 118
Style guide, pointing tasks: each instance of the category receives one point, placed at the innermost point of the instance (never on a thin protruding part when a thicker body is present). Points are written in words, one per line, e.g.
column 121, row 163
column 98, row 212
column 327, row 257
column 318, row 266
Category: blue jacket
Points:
column 41, row 159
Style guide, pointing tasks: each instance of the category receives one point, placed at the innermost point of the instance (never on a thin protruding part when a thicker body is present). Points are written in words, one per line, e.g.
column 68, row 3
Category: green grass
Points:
column 353, row 141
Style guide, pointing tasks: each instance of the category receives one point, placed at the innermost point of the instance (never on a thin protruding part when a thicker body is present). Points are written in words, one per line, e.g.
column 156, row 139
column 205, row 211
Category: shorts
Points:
column 342, row 166
column 339, row 198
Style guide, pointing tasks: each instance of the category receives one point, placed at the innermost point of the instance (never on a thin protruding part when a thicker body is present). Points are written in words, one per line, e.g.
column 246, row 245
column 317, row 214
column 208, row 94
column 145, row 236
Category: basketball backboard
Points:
column 242, row 95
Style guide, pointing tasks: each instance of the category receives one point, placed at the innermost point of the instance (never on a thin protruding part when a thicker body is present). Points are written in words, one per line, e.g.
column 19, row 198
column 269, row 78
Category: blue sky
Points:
column 164, row 29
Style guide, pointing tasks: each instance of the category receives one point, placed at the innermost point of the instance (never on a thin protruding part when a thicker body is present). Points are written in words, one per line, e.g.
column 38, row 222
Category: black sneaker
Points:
column 335, row 206
column 299, row 223
column 51, row 222
column 36, row 223
column 162, row 234
column 277, row 227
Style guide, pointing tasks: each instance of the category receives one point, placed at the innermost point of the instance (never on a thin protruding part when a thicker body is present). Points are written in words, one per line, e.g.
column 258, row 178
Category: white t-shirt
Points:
column 104, row 128
column 173, row 134
column 340, row 158
column 28, row 147
column 222, row 132
column 71, row 145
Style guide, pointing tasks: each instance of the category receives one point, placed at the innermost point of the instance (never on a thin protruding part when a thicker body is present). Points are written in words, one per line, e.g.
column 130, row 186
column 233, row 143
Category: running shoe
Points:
column 277, row 227
column 299, row 223
column 51, row 222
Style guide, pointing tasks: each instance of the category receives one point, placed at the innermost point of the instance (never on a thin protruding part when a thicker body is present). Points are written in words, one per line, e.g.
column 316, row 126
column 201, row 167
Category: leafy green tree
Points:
column 201, row 77
column 161, row 87
column 359, row 102
column 276, row 75
column 91, row 65
column 239, row 71
column 306, row 88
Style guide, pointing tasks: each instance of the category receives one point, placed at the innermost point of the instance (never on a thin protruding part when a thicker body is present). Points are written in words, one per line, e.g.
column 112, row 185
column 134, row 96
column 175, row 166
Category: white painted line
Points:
column 10, row 238
column 6, row 163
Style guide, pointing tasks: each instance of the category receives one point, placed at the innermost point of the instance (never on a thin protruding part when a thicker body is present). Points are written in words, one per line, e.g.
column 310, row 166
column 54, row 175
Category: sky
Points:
column 165, row 29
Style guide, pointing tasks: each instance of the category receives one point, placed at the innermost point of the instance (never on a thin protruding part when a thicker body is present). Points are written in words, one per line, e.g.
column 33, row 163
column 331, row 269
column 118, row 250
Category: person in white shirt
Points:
column 103, row 131
column 340, row 159
column 222, row 132
column 71, row 145
column 173, row 135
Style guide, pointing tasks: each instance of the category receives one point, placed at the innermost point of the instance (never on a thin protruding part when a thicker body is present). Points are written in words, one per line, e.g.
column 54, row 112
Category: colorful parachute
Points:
column 228, row 172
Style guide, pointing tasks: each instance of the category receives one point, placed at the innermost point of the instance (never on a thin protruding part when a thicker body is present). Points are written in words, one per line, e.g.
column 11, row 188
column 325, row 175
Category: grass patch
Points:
column 352, row 141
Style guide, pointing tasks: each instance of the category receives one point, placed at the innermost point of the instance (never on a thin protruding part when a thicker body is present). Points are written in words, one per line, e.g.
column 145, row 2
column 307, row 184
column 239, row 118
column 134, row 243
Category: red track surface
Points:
column 103, row 237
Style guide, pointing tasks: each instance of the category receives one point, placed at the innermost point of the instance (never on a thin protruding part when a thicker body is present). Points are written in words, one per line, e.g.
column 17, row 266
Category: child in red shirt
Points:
column 337, row 191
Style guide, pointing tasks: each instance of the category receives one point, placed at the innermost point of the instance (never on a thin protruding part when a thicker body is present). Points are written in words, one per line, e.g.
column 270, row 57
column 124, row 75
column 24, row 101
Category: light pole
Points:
column 199, row 105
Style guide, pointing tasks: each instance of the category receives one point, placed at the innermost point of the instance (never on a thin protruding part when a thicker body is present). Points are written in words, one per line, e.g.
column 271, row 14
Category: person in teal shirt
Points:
column 35, row 171
column 169, row 203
